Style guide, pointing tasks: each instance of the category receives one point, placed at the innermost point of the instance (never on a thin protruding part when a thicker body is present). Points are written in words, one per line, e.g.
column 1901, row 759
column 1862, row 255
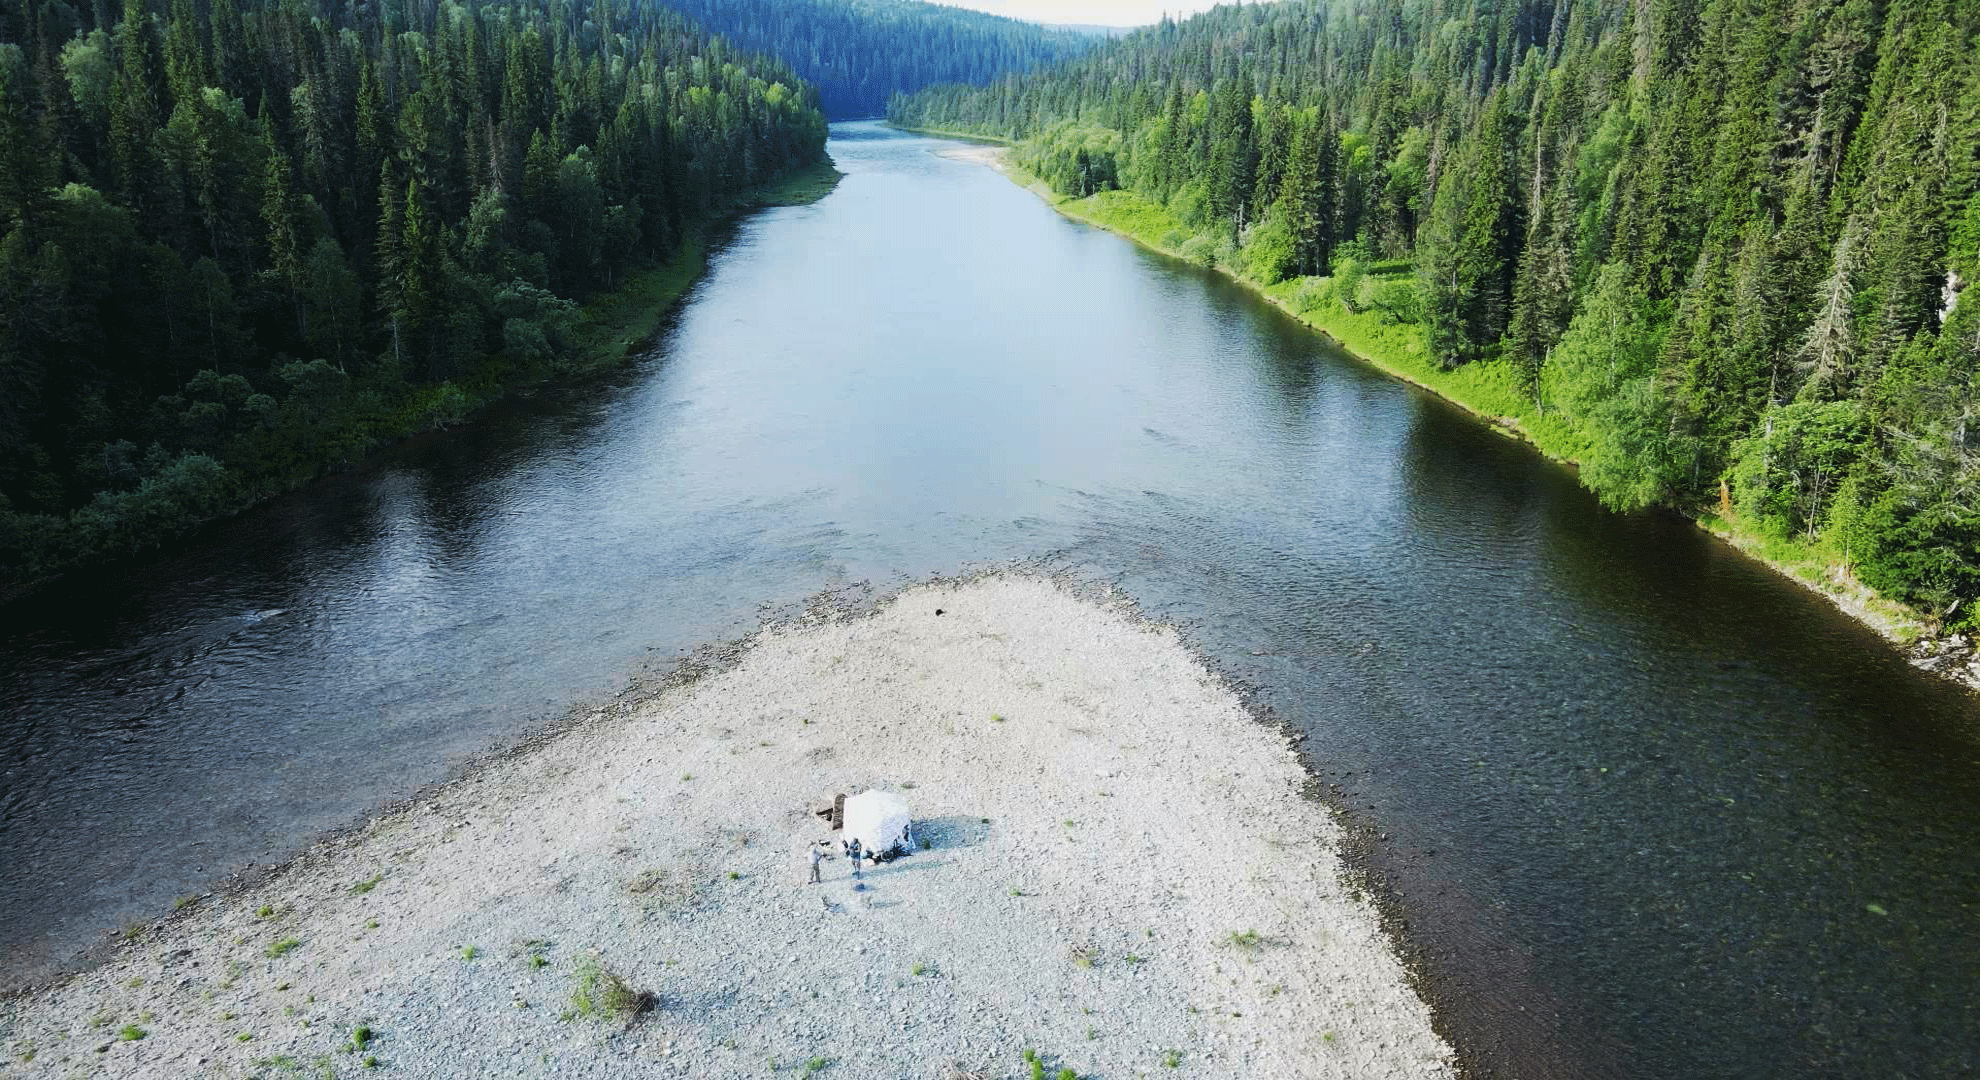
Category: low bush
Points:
column 604, row 993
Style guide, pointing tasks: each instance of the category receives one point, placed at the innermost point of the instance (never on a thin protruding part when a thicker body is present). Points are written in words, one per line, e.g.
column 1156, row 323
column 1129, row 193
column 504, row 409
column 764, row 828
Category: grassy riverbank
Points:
column 1490, row 391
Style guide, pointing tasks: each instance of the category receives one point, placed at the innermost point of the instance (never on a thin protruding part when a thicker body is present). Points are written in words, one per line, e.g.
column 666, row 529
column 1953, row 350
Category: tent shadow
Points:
column 953, row 831
column 896, row 866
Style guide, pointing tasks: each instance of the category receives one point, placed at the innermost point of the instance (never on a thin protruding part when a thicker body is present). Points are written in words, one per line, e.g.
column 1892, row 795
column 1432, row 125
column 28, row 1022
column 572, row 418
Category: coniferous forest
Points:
column 859, row 53
column 241, row 239
column 1718, row 246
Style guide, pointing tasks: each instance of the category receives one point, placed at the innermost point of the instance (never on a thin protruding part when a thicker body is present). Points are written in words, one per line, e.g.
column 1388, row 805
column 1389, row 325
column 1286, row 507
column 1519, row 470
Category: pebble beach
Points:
column 1116, row 874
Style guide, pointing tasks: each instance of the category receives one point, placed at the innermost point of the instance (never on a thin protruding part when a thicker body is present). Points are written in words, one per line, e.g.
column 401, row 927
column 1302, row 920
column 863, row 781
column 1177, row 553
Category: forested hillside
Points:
column 242, row 238
column 861, row 52
column 1717, row 246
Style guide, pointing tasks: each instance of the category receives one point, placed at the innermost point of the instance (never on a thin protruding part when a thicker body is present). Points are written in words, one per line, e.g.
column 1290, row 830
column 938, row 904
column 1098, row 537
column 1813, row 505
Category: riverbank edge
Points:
column 1364, row 337
column 615, row 326
column 626, row 320
column 1355, row 846
column 644, row 684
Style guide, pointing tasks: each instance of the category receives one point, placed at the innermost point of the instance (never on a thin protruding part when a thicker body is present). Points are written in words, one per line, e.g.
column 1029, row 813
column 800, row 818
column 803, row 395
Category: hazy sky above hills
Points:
column 1098, row 12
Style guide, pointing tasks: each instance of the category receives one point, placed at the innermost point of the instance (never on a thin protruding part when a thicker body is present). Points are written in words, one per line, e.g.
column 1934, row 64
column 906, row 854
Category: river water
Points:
column 1646, row 809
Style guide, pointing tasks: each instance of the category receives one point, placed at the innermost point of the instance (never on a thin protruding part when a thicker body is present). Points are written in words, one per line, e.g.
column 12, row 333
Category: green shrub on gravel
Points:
column 602, row 992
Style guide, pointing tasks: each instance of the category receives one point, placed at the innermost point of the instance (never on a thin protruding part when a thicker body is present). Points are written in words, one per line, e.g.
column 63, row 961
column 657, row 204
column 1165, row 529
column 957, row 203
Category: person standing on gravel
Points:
column 817, row 857
column 853, row 851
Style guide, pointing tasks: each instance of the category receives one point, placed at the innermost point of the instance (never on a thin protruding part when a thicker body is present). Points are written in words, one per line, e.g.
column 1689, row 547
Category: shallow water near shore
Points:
column 1650, row 810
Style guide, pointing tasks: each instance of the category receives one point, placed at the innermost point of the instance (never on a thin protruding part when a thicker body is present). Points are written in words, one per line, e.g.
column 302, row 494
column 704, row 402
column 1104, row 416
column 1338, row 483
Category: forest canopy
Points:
column 859, row 53
column 1726, row 243
column 241, row 238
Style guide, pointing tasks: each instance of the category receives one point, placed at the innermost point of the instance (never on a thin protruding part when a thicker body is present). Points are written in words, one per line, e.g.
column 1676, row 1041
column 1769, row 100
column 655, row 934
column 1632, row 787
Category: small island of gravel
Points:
column 1120, row 877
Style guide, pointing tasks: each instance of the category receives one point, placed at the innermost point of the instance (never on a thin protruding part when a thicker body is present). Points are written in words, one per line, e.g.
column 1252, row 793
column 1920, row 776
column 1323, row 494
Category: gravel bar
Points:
column 1119, row 875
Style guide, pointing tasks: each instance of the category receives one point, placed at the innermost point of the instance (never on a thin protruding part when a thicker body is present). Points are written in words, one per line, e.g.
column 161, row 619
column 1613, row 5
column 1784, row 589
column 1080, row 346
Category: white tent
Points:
column 879, row 821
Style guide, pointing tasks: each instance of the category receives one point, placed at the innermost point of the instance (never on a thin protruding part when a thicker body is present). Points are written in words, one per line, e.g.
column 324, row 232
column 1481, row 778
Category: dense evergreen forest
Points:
column 240, row 239
column 859, row 53
column 1721, row 244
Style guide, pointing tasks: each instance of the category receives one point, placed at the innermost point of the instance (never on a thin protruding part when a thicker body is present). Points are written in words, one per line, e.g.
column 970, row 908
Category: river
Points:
column 1645, row 808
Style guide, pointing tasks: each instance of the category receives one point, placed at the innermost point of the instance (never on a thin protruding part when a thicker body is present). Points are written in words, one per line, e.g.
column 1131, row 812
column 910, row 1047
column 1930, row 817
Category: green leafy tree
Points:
column 1787, row 471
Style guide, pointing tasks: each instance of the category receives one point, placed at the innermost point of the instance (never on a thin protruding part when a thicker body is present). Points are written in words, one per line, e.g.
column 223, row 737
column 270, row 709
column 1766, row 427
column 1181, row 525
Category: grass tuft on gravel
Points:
column 1246, row 940
column 604, row 993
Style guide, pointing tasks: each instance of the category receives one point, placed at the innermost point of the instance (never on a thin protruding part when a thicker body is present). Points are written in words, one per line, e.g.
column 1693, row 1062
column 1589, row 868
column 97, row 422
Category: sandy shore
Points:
column 1121, row 876
column 996, row 157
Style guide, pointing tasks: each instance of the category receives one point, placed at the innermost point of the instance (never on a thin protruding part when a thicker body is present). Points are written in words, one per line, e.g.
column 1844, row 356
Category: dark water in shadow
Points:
column 1641, row 795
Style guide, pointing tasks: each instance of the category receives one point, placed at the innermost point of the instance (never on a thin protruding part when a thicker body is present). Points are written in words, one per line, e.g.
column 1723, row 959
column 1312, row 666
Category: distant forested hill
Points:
column 1724, row 246
column 240, row 238
column 861, row 52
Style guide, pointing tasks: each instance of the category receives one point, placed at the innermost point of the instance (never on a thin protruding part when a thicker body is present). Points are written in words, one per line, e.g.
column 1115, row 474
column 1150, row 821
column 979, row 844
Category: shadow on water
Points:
column 1646, row 809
